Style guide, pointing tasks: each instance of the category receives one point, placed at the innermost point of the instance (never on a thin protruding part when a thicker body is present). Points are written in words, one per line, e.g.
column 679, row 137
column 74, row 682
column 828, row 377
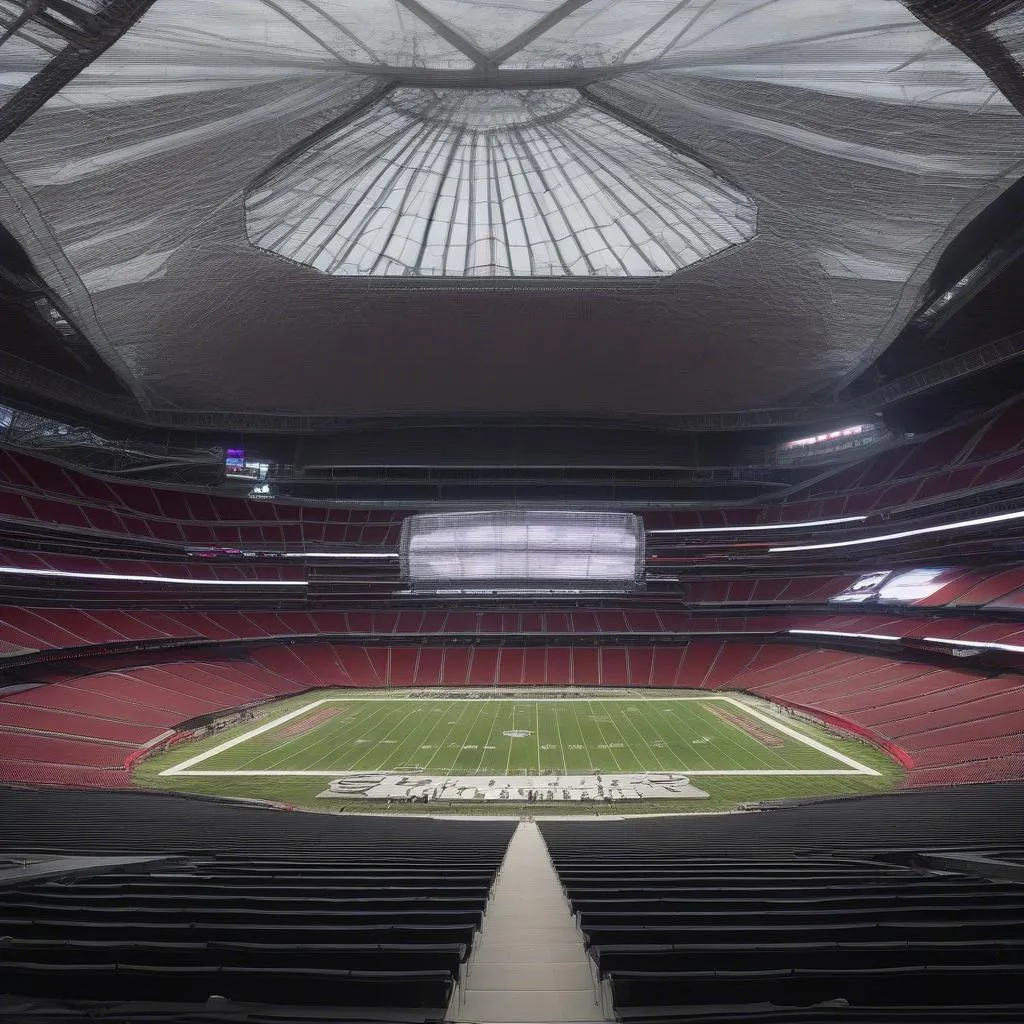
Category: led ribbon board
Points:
column 516, row 550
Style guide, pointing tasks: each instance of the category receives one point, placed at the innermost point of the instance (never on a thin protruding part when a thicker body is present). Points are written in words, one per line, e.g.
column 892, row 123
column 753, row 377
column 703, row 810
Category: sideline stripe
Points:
column 394, row 771
column 854, row 767
column 862, row 769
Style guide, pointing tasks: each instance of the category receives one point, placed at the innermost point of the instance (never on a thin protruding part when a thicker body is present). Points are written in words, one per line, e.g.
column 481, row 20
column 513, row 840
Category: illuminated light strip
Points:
column 989, row 646
column 770, row 526
column 831, row 435
column 984, row 521
column 336, row 554
column 149, row 579
column 853, row 636
column 500, row 591
column 945, row 641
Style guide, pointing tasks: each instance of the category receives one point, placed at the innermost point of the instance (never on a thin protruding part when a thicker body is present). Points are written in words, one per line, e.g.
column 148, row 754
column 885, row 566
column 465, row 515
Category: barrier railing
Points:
column 845, row 725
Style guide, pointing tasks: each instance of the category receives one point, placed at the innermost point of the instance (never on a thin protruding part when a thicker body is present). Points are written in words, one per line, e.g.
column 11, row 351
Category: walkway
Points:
column 529, row 964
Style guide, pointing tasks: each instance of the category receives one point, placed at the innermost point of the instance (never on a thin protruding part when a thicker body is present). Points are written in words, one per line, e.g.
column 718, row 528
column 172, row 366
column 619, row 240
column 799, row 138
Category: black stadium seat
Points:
column 800, row 908
column 259, row 907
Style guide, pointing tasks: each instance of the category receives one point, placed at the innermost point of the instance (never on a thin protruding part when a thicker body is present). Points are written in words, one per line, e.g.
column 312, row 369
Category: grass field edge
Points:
column 854, row 767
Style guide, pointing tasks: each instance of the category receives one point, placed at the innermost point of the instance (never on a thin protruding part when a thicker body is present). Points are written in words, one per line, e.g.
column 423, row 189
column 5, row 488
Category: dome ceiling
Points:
column 375, row 208
column 493, row 183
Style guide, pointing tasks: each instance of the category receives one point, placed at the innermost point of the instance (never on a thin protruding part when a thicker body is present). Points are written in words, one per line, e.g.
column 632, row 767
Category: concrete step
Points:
column 529, row 964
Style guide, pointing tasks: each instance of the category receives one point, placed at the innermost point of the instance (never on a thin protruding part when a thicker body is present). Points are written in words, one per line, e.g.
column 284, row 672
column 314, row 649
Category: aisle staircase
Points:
column 529, row 964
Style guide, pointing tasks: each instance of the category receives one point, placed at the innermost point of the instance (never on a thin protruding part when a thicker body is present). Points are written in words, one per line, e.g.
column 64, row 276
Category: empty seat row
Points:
column 937, row 722
column 256, row 906
column 429, row 991
column 966, row 455
column 939, row 985
column 795, row 907
column 29, row 629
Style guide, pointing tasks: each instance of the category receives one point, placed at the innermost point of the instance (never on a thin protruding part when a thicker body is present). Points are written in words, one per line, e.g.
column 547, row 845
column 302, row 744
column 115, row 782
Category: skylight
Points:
column 494, row 183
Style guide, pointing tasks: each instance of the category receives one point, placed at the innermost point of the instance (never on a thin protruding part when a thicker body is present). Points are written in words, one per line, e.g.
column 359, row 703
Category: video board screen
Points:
column 517, row 549
column 894, row 587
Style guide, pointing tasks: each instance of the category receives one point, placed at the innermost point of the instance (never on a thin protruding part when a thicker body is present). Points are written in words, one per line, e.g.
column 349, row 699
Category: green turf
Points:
column 472, row 737
column 569, row 736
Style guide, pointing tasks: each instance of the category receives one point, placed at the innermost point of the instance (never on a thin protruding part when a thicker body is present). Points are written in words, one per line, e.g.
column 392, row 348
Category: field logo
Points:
column 517, row 734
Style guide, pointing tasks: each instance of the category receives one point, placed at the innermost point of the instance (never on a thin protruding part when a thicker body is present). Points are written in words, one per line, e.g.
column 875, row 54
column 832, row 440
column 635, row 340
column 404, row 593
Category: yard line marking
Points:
column 625, row 745
column 330, row 740
column 583, row 736
column 640, row 724
column 470, row 698
column 444, row 715
column 486, row 743
column 673, row 722
column 750, row 748
column 512, row 728
column 643, row 738
column 465, row 734
column 863, row 769
column 275, row 749
column 380, row 740
column 348, row 771
column 468, row 734
column 258, row 731
column 388, row 720
column 561, row 747
column 536, row 715
column 854, row 766
column 600, row 729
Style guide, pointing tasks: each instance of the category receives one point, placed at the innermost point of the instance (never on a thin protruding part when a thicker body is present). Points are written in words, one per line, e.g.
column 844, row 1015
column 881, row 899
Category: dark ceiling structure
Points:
column 565, row 216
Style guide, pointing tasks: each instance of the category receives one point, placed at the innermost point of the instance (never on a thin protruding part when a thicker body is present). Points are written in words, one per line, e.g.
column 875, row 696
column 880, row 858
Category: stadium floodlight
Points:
column 847, row 636
column 831, row 442
column 963, row 524
column 830, row 435
column 128, row 578
column 767, row 526
column 525, row 551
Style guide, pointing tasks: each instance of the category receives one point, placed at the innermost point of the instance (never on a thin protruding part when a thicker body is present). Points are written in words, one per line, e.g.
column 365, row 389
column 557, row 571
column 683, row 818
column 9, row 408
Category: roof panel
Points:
column 864, row 141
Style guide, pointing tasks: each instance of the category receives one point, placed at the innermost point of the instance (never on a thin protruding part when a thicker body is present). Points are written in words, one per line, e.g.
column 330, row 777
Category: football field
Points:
column 707, row 735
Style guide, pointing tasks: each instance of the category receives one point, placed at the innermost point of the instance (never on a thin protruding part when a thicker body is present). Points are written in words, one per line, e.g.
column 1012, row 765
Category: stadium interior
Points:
column 512, row 511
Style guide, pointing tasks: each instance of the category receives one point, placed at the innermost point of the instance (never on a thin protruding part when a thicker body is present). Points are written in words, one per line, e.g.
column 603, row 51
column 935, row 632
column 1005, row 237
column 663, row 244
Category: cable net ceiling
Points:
column 746, row 196
column 493, row 183
column 1010, row 32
